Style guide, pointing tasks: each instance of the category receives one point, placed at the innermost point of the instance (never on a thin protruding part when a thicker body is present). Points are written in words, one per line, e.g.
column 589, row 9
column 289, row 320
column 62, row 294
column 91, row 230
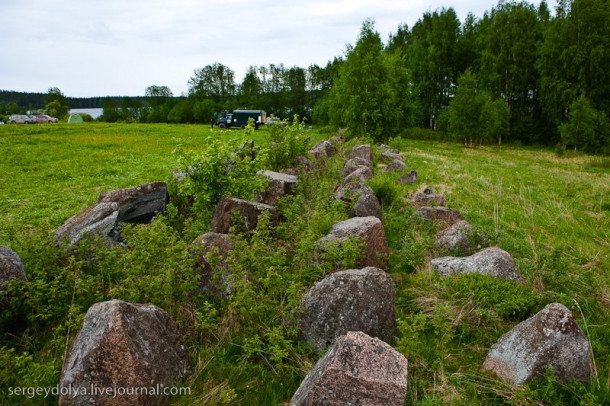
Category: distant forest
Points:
column 519, row 73
column 37, row 100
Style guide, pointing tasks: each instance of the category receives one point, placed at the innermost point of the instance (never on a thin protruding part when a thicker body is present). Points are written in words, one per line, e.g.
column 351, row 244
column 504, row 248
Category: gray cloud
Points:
column 117, row 47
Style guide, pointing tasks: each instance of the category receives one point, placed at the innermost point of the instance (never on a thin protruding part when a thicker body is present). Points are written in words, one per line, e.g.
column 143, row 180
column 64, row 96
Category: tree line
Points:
column 519, row 73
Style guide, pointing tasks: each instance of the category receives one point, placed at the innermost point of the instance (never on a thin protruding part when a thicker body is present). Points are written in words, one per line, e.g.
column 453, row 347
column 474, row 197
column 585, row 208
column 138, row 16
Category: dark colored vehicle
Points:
column 43, row 118
column 20, row 119
column 239, row 118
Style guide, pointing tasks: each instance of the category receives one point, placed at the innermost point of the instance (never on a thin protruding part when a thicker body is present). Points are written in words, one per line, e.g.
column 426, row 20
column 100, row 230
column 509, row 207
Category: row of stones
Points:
column 346, row 308
column 361, row 304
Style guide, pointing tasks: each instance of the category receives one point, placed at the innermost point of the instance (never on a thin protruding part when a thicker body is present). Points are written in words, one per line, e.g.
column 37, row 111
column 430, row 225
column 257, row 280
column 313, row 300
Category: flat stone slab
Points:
column 361, row 151
column 132, row 205
column 370, row 231
column 491, row 261
column 280, row 185
column 222, row 220
column 352, row 300
column 123, row 345
column 551, row 338
column 356, row 370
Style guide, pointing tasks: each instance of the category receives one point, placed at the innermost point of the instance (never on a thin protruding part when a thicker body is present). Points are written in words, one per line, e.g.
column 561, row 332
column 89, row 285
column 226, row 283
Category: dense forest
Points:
column 519, row 73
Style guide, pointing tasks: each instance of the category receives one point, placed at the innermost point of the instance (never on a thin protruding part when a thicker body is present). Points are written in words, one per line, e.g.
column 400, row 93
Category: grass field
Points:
column 552, row 214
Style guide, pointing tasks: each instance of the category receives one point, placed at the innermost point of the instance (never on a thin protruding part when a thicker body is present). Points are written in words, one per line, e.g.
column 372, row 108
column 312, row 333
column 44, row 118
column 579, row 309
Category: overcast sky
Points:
column 120, row 47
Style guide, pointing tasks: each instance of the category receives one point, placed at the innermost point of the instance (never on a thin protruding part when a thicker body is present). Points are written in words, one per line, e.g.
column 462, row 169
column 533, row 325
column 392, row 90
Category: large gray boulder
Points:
column 211, row 250
column 280, row 185
column 323, row 149
column 361, row 151
column 133, row 205
column 409, row 178
column 222, row 220
column 551, row 338
column 356, row 370
column 123, row 345
column 462, row 237
column 355, row 163
column 441, row 215
column 352, row 300
column 389, row 156
column 360, row 175
column 370, row 232
column 303, row 164
column 350, row 191
column 395, row 165
column 366, row 205
column 11, row 267
column 491, row 261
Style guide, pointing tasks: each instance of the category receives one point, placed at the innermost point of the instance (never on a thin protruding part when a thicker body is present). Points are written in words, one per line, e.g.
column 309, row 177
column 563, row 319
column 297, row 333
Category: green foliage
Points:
column 504, row 297
column 287, row 142
column 473, row 116
column 385, row 189
column 586, row 128
column 224, row 168
column 365, row 96
column 56, row 104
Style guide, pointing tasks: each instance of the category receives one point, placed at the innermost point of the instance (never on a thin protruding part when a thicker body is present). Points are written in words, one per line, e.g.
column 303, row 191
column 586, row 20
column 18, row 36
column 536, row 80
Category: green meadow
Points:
column 552, row 214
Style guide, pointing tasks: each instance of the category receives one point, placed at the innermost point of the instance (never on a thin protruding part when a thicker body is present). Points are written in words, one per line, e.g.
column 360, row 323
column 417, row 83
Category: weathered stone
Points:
column 123, row 345
column 442, row 215
column 356, row 370
column 361, row 151
column 134, row 205
column 303, row 164
column 222, row 220
column 462, row 237
column 551, row 338
column 370, row 231
column 280, row 185
column 360, row 175
column 409, row 178
column 367, row 205
column 491, row 261
column 396, row 165
column 350, row 191
column 355, row 163
column 11, row 267
column 323, row 149
column 353, row 300
column 420, row 199
column 219, row 246
column 291, row 171
column 389, row 156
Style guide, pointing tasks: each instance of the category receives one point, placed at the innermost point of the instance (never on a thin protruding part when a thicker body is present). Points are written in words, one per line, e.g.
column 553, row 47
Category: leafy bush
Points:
column 287, row 142
column 224, row 168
